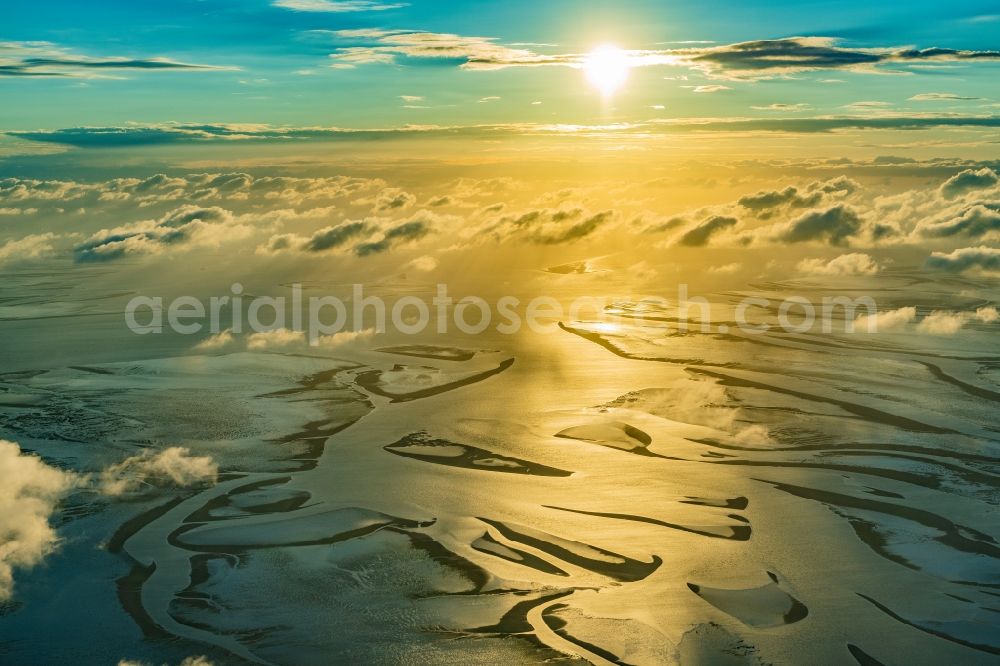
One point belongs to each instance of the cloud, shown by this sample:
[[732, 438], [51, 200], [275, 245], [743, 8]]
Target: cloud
[[710, 88], [868, 106], [701, 233], [284, 338], [969, 180], [966, 259], [188, 661], [779, 106], [384, 46], [652, 223], [743, 60], [29, 247], [343, 338], [86, 137], [412, 230], [776, 57], [547, 226], [940, 97], [333, 237], [30, 490], [889, 320], [393, 199], [987, 314], [184, 227], [762, 201], [553, 234], [943, 323], [174, 466], [838, 185], [45, 59], [834, 225], [411, 98], [975, 222], [336, 6], [949, 323], [276, 339], [201, 187], [220, 340], [855, 263], [424, 264], [361, 237], [766, 203], [726, 269]]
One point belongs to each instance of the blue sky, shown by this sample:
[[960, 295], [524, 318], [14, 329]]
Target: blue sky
[[261, 63]]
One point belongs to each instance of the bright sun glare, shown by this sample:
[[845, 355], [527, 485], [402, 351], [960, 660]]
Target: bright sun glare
[[607, 68]]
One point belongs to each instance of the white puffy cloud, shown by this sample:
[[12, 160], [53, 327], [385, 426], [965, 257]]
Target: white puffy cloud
[[182, 228], [363, 238], [543, 226], [393, 198], [173, 466], [384, 46], [889, 320], [200, 187], [220, 340], [188, 661], [969, 180], [701, 233], [980, 258], [424, 264], [987, 314], [343, 338], [766, 201], [30, 490], [29, 247], [979, 221], [855, 263], [943, 323], [836, 226], [276, 339]]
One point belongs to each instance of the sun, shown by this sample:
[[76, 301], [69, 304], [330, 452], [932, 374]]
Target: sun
[[607, 68]]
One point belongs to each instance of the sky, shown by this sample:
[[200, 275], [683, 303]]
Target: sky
[[388, 64], [369, 136]]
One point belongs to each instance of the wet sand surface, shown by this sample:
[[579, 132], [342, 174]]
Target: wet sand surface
[[613, 492]]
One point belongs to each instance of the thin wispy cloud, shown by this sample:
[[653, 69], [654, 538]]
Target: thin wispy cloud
[[45, 59], [713, 88], [336, 6], [941, 97], [779, 106]]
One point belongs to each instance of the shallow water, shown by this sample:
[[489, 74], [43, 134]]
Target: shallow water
[[610, 492]]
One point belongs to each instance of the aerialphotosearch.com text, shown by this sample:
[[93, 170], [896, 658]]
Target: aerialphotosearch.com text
[[320, 316]]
